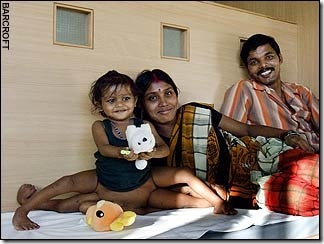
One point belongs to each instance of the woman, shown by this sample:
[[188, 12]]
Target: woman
[[197, 137]]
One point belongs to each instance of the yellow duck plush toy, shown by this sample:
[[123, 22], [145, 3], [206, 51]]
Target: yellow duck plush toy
[[106, 216]]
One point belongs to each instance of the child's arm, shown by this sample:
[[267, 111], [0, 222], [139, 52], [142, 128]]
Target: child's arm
[[102, 143], [161, 149]]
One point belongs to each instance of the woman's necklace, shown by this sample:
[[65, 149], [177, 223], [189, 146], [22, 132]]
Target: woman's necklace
[[118, 132]]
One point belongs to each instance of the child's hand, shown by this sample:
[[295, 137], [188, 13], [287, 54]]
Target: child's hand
[[128, 154], [146, 155]]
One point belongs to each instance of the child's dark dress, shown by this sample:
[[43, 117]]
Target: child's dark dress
[[118, 174]]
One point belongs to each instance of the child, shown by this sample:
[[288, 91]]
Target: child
[[116, 178]]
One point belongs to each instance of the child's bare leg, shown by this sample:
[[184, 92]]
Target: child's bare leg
[[68, 205], [168, 199], [83, 182], [86, 203], [143, 211], [166, 176], [25, 192], [219, 190], [73, 204], [185, 189]]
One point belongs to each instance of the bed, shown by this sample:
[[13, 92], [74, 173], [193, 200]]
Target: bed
[[188, 223]]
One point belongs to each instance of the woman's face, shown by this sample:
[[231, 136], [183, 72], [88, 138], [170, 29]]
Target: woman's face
[[161, 102]]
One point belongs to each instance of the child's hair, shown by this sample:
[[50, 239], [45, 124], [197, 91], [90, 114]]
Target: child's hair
[[111, 78]]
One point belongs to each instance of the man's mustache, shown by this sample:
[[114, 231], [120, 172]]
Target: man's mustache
[[264, 70]]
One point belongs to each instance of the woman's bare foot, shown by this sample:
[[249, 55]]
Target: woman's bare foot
[[21, 222], [25, 192], [225, 208]]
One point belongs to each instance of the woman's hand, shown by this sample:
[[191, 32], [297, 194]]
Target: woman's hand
[[298, 140]]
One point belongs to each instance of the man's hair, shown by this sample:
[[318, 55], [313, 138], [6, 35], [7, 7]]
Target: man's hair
[[254, 42]]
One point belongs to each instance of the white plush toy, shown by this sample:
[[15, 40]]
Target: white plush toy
[[140, 139]]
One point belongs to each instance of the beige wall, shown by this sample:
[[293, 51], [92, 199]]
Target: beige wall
[[306, 15], [44, 90]]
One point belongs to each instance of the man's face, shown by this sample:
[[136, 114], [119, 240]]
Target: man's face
[[263, 65]]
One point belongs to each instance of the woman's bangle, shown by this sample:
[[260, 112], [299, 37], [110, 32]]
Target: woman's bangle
[[288, 133]]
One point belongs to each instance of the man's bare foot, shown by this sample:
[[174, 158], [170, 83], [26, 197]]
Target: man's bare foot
[[21, 222], [25, 192], [225, 208]]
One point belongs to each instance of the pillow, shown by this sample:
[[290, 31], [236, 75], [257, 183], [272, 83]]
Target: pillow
[[294, 189]]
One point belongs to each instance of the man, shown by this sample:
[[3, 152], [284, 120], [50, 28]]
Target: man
[[265, 99]]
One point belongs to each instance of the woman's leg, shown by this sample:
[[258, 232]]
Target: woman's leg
[[166, 176], [83, 182]]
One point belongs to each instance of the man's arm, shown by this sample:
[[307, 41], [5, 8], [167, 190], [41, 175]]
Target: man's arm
[[313, 104], [235, 102]]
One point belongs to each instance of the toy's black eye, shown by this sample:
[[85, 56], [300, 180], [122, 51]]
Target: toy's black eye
[[139, 143], [144, 139], [100, 214]]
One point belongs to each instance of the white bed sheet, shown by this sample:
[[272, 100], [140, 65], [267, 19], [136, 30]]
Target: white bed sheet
[[189, 223]]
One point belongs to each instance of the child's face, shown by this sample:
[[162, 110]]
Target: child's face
[[118, 102]]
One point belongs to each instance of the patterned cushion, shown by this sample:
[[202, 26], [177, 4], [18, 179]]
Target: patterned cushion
[[295, 188]]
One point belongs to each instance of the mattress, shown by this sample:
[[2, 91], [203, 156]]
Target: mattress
[[188, 223]]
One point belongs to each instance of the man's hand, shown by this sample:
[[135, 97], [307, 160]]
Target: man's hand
[[300, 141]]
